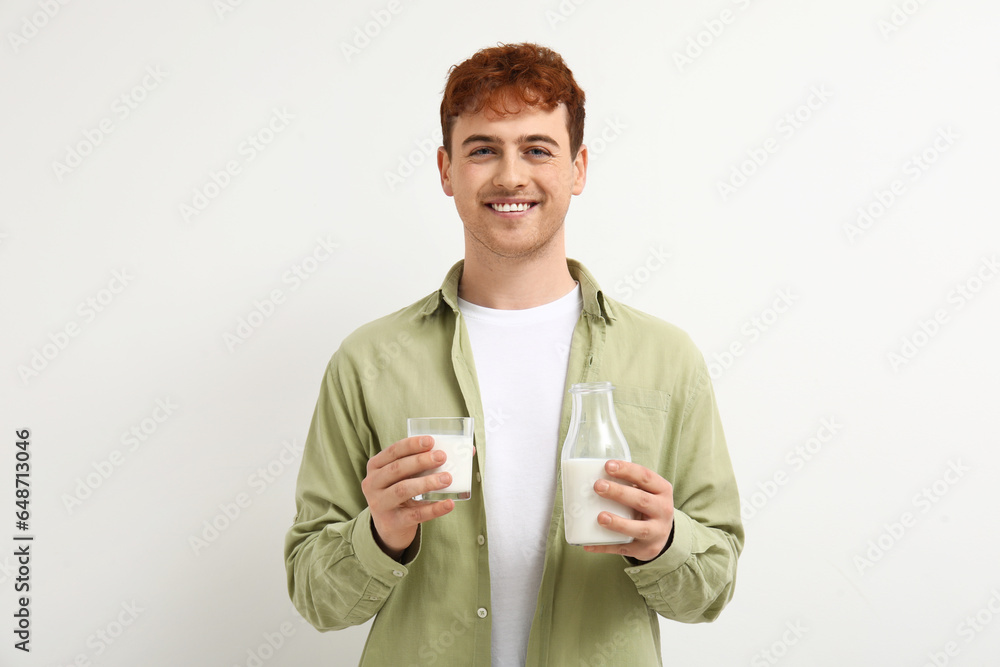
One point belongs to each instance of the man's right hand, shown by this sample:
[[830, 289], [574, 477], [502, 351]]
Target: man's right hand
[[392, 482]]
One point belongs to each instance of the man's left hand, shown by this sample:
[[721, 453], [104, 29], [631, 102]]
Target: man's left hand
[[652, 498]]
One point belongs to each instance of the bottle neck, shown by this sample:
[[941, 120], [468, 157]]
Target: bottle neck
[[594, 410], [594, 431]]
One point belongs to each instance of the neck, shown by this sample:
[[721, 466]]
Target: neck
[[504, 283]]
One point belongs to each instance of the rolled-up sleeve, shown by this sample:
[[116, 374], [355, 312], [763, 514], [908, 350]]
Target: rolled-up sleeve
[[337, 574], [693, 580]]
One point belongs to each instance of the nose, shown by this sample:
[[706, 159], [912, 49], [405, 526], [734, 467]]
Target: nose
[[511, 173]]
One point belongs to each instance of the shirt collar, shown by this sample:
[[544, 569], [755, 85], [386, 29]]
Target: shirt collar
[[594, 302]]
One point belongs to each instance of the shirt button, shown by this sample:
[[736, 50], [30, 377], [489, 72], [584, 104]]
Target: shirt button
[[481, 612], [481, 540], [633, 570], [397, 573]]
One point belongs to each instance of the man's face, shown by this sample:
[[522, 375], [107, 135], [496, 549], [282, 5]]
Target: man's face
[[520, 161]]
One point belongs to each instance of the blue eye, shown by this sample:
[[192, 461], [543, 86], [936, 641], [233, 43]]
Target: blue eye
[[539, 152], [479, 151]]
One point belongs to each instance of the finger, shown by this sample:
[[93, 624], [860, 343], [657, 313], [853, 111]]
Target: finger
[[410, 466], [404, 490], [639, 475], [624, 526], [407, 516], [643, 502], [643, 548], [400, 449], [639, 529], [421, 512]]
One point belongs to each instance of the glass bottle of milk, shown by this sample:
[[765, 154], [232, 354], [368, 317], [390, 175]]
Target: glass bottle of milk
[[594, 437]]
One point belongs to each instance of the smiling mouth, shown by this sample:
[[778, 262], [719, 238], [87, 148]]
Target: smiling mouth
[[516, 207]]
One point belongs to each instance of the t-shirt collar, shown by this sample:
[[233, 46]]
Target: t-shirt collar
[[594, 302]]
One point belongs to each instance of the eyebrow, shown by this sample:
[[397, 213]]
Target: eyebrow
[[523, 139]]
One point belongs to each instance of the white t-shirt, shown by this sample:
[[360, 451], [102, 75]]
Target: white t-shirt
[[521, 358]]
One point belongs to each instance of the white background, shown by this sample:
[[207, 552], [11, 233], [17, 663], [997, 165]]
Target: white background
[[830, 548]]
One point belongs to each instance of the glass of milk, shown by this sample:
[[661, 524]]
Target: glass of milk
[[453, 436], [593, 439]]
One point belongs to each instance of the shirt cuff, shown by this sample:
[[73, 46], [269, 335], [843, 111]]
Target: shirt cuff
[[376, 562], [646, 576]]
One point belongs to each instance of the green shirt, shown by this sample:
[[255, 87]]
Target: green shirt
[[433, 607]]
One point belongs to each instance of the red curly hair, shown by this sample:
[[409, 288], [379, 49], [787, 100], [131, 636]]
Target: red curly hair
[[522, 74]]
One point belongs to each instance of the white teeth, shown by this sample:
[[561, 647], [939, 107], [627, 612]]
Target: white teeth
[[506, 208]]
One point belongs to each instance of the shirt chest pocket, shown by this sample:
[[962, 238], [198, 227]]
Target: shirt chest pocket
[[644, 417]]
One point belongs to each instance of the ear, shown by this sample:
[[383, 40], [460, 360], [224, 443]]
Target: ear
[[580, 170], [444, 168]]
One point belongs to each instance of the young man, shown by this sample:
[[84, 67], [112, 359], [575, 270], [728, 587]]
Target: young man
[[492, 580]]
